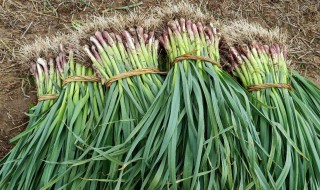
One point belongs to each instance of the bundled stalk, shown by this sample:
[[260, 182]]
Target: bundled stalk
[[48, 81], [48, 78], [196, 133], [128, 66], [288, 126], [52, 138]]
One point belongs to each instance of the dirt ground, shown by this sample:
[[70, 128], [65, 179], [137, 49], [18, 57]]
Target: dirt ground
[[21, 21]]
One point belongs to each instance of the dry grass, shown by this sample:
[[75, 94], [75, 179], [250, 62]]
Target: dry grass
[[21, 22], [242, 32]]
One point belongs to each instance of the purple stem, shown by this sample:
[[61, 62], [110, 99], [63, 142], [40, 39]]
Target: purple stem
[[189, 30], [100, 38], [107, 36], [195, 29], [96, 54], [129, 40], [173, 27], [245, 49], [44, 65], [232, 60], [162, 41], [96, 42], [209, 33], [200, 27], [140, 34], [236, 54], [146, 38], [183, 24], [133, 34], [58, 64]]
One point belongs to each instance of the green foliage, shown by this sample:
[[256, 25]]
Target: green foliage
[[289, 127]]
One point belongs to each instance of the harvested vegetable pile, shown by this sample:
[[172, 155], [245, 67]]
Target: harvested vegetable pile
[[130, 102], [129, 67], [289, 127], [54, 124], [177, 140]]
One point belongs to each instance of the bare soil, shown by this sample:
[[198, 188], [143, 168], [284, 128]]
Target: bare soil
[[22, 21]]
